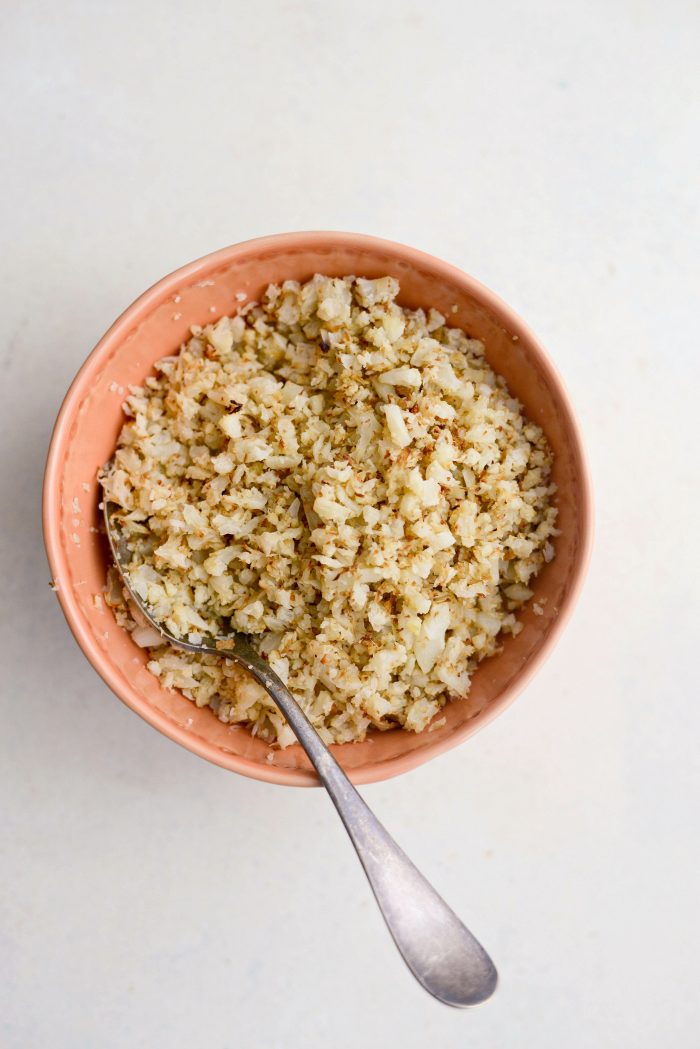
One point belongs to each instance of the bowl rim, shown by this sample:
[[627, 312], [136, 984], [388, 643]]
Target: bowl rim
[[57, 555]]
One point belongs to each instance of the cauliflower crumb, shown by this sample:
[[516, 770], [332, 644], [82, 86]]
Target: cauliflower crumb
[[344, 480], [397, 425]]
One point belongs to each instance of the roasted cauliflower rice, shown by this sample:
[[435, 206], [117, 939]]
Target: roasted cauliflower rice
[[349, 482]]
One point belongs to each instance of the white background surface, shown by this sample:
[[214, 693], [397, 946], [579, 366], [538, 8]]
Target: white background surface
[[150, 899]]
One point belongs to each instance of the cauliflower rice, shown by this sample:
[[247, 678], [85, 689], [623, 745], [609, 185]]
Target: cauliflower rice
[[345, 480]]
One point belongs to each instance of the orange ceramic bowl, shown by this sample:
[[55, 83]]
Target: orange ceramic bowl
[[155, 325]]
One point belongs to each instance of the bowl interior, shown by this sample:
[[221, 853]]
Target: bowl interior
[[156, 325]]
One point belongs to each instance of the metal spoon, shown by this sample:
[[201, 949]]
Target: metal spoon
[[439, 950]]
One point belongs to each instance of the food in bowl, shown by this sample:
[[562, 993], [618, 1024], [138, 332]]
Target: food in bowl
[[349, 483]]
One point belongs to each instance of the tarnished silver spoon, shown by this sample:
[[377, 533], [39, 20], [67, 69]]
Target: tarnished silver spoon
[[439, 950]]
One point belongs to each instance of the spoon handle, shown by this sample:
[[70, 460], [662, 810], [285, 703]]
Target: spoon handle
[[439, 950]]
